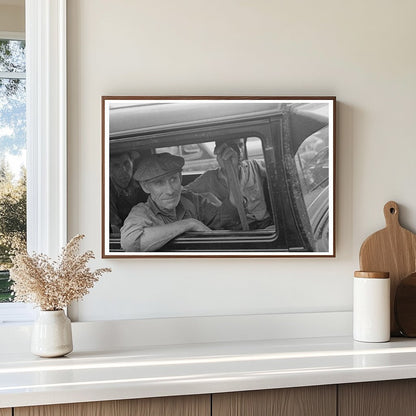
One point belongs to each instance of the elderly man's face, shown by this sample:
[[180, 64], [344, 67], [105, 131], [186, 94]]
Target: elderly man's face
[[121, 170], [165, 191]]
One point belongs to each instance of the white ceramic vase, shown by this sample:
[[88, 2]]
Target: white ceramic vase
[[52, 334]]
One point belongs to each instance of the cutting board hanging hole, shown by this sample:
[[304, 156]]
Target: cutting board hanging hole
[[391, 213]]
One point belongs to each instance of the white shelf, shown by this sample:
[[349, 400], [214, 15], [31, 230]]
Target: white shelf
[[150, 371]]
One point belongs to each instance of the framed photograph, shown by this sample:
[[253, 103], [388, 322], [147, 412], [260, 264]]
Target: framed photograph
[[218, 176]]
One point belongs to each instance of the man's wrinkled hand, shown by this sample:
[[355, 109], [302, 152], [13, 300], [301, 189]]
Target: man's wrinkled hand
[[195, 225]]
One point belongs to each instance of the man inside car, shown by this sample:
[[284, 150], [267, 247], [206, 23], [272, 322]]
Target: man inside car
[[250, 181], [169, 211], [125, 192]]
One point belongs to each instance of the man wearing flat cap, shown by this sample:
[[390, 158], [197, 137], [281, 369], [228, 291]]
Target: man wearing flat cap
[[169, 211]]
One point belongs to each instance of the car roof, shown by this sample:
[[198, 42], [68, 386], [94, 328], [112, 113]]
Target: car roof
[[141, 117]]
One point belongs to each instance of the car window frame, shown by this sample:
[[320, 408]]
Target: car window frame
[[267, 129]]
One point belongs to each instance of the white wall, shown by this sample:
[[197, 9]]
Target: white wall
[[12, 16], [360, 51]]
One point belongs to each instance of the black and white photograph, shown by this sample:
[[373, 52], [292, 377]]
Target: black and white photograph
[[218, 176]]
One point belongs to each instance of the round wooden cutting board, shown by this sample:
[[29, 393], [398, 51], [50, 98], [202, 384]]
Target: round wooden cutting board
[[392, 250]]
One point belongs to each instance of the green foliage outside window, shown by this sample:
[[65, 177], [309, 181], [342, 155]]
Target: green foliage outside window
[[12, 147], [12, 224]]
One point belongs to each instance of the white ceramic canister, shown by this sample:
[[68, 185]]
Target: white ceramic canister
[[371, 308]]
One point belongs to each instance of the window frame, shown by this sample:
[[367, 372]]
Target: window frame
[[46, 125], [224, 242], [46, 135]]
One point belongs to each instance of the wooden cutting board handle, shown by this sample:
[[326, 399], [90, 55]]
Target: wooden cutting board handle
[[391, 214], [393, 250]]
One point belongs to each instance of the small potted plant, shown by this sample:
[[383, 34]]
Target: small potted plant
[[51, 286]]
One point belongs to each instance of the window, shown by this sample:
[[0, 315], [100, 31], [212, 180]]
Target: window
[[46, 136], [12, 156], [203, 175], [260, 228], [254, 148]]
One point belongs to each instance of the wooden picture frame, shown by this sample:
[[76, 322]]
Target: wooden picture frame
[[269, 190]]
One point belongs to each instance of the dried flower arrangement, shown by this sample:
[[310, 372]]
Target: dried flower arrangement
[[52, 285]]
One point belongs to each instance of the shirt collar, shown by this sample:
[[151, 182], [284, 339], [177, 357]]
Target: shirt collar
[[179, 212]]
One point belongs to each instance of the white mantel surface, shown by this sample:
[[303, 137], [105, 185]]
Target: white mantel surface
[[150, 371]]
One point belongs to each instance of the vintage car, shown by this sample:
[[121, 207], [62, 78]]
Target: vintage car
[[292, 139]]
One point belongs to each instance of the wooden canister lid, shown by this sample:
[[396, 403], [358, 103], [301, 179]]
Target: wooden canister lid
[[372, 275]]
